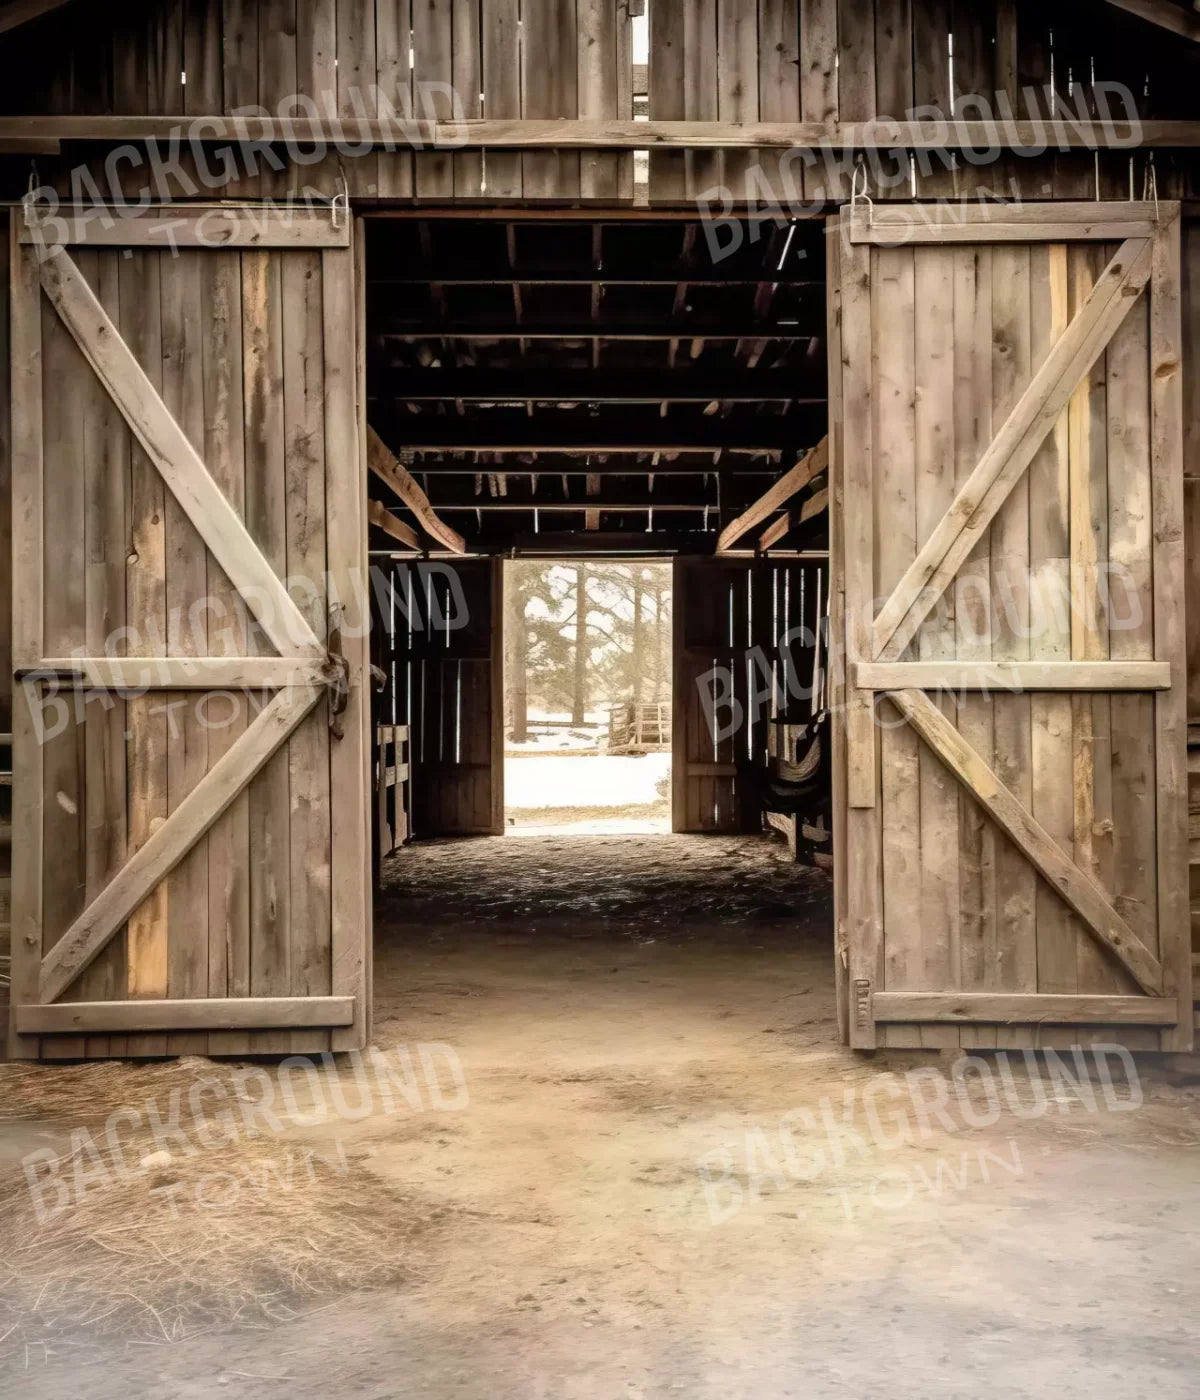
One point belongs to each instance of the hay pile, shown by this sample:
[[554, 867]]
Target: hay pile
[[247, 1235]]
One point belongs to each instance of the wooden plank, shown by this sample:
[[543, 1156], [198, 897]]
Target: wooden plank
[[345, 499], [1170, 642], [27, 911], [184, 1014], [856, 61], [25, 343], [1017, 677], [146, 609], [224, 454], [177, 460], [266, 446], [1011, 450], [388, 468], [1051, 727], [818, 61], [667, 80], [887, 224], [1038, 847], [501, 38], [737, 81], [309, 836], [599, 88], [550, 88], [393, 66], [658, 135], [1017, 1009], [893, 58], [466, 76], [187, 635], [384, 520], [433, 63], [172, 227], [356, 85], [184, 672], [1164, 14], [810, 466], [972, 426], [163, 850], [937, 929]]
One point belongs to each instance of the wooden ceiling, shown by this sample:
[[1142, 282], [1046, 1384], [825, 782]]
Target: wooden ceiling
[[597, 381]]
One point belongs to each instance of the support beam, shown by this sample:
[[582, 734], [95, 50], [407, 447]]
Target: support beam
[[1060, 132], [388, 468], [811, 465], [443, 433], [384, 520], [19, 12], [603, 386], [1164, 14]]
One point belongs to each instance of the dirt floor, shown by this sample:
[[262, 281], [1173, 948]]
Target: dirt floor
[[648, 1170]]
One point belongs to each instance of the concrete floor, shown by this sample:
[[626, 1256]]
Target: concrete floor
[[670, 1180]]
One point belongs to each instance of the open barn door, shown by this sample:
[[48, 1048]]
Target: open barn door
[[451, 631], [190, 854], [1013, 868]]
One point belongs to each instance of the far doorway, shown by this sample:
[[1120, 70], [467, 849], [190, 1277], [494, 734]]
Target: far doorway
[[587, 697]]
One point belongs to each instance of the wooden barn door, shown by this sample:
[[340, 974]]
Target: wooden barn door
[[455, 698], [192, 872], [1013, 808]]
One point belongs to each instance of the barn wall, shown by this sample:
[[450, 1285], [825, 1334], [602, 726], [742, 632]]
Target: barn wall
[[729, 60], [5, 496]]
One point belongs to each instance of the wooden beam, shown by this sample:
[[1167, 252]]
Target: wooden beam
[[570, 134], [606, 386], [811, 465], [388, 468], [167, 445], [445, 433], [390, 524], [188, 226], [1164, 14], [1017, 677], [889, 225], [19, 12], [1010, 1008], [188, 1013], [1011, 450], [1079, 890], [776, 530], [167, 846], [143, 673]]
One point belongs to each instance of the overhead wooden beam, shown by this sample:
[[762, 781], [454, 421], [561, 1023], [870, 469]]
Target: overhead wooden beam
[[1163, 14], [400, 329], [388, 468], [390, 524], [811, 465], [566, 133], [445, 433], [19, 12], [605, 386]]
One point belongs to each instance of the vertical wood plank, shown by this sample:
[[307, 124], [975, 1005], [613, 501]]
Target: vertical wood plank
[[467, 76], [187, 635], [892, 372], [549, 88], [598, 25], [667, 100], [266, 518], [224, 455], [893, 58], [973, 425], [856, 61], [433, 63], [1170, 715], [146, 609], [203, 58], [818, 60], [502, 89], [393, 64], [1054, 768], [346, 533], [701, 97], [316, 77], [1016, 881], [737, 84], [863, 900], [934, 361], [26, 465], [308, 749]]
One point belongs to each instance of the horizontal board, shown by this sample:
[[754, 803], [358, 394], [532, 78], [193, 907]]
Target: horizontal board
[[182, 672], [569, 133], [201, 1013], [1003, 1007], [1018, 676], [223, 226], [998, 223]]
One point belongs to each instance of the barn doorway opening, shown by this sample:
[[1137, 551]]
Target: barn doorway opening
[[587, 697], [622, 401]]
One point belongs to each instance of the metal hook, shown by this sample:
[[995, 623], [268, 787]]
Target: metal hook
[[341, 200]]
